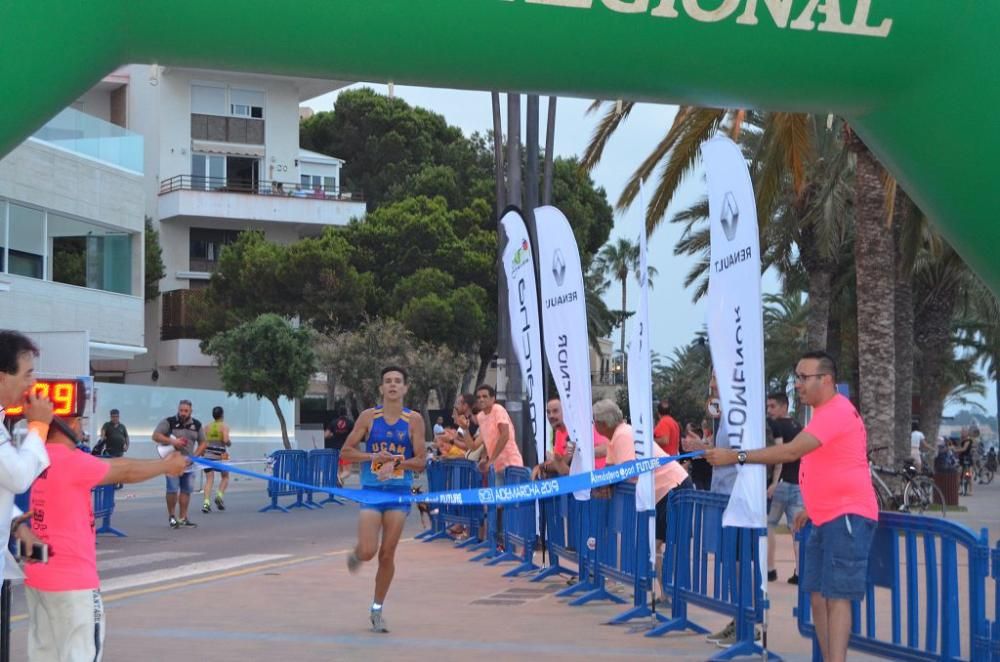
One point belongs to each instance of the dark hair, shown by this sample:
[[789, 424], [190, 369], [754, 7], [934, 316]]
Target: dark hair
[[779, 396], [489, 389], [826, 363], [553, 398], [394, 368], [185, 402], [217, 413], [14, 345], [663, 407], [469, 399], [115, 412]]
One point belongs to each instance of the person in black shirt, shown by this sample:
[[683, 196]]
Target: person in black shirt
[[334, 436], [784, 493], [114, 437]]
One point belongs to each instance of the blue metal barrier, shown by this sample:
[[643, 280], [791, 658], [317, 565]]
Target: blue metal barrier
[[322, 467], [714, 567], [917, 559], [623, 551], [459, 475], [104, 508], [520, 529], [288, 465], [435, 483], [995, 568], [562, 536], [487, 547]]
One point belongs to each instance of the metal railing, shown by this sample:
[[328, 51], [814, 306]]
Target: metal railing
[[249, 187]]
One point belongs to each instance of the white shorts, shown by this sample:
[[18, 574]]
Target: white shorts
[[65, 626]]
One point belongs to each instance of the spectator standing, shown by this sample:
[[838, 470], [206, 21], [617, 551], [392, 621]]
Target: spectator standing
[[185, 434]]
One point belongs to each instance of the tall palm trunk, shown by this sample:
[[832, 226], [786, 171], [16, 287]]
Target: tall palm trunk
[[874, 260], [550, 148], [500, 190], [624, 280], [903, 310], [932, 333]]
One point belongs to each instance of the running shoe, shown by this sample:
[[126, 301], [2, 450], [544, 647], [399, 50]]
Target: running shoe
[[794, 579], [724, 633], [206, 508], [174, 524], [731, 639], [187, 523], [218, 502], [378, 623]]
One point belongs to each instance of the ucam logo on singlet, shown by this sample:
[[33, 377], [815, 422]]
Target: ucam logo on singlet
[[818, 15]]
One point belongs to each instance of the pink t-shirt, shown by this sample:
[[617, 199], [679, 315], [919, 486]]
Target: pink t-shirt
[[622, 450], [562, 438], [489, 428], [64, 519], [834, 478]]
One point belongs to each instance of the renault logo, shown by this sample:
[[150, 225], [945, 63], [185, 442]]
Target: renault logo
[[559, 267], [730, 215]]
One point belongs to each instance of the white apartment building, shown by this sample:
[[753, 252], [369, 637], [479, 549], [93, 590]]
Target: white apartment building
[[222, 156], [71, 242]]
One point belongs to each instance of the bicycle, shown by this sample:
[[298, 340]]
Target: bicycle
[[917, 494]]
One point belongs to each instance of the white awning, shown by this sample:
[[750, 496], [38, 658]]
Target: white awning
[[111, 351], [229, 149]]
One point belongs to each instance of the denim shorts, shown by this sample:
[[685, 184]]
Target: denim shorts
[[836, 563], [787, 501], [183, 483], [386, 507]]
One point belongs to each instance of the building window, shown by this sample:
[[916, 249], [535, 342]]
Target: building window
[[319, 182], [208, 99], [88, 255], [26, 237], [208, 171], [206, 246], [246, 103], [51, 246]]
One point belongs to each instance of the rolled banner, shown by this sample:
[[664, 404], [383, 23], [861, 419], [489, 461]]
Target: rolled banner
[[567, 347], [525, 327]]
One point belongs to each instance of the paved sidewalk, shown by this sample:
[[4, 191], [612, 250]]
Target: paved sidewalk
[[441, 607]]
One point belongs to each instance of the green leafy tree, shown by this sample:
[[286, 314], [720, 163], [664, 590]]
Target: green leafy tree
[[312, 279], [266, 357], [153, 260]]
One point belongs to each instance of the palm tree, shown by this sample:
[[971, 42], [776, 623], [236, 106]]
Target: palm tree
[[616, 261], [785, 330]]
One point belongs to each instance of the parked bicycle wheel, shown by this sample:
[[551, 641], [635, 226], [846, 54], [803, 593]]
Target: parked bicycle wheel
[[921, 494]]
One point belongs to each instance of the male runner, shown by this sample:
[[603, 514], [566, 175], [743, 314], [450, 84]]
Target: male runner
[[393, 449]]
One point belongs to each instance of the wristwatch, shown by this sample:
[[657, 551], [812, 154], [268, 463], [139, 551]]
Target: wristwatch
[[741, 457]]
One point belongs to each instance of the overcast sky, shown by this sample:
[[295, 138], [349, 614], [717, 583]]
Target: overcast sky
[[674, 319]]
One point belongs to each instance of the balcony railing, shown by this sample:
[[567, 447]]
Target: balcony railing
[[178, 316], [90, 136], [273, 189]]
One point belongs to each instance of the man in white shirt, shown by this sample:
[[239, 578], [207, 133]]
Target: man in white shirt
[[917, 445], [20, 465]]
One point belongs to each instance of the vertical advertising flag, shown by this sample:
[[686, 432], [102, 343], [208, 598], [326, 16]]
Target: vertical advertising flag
[[640, 386], [567, 347], [525, 328], [735, 323]]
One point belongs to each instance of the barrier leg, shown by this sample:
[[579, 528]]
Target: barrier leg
[[273, 506], [299, 503], [107, 528], [552, 570]]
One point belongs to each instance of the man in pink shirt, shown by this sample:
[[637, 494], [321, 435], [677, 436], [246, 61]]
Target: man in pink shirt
[[557, 462], [66, 614], [496, 431], [838, 495]]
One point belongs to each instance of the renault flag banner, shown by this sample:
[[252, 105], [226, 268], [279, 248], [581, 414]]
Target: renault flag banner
[[567, 348], [640, 387], [522, 301], [735, 323]]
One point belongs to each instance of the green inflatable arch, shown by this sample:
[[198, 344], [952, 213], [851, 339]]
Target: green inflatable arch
[[915, 77]]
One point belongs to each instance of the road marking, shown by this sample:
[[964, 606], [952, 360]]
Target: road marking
[[143, 559], [182, 571]]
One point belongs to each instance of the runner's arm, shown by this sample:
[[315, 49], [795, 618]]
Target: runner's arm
[[225, 435], [350, 452], [124, 470], [417, 432]]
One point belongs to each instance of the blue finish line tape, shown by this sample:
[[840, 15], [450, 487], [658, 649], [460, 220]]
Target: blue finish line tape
[[533, 491]]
